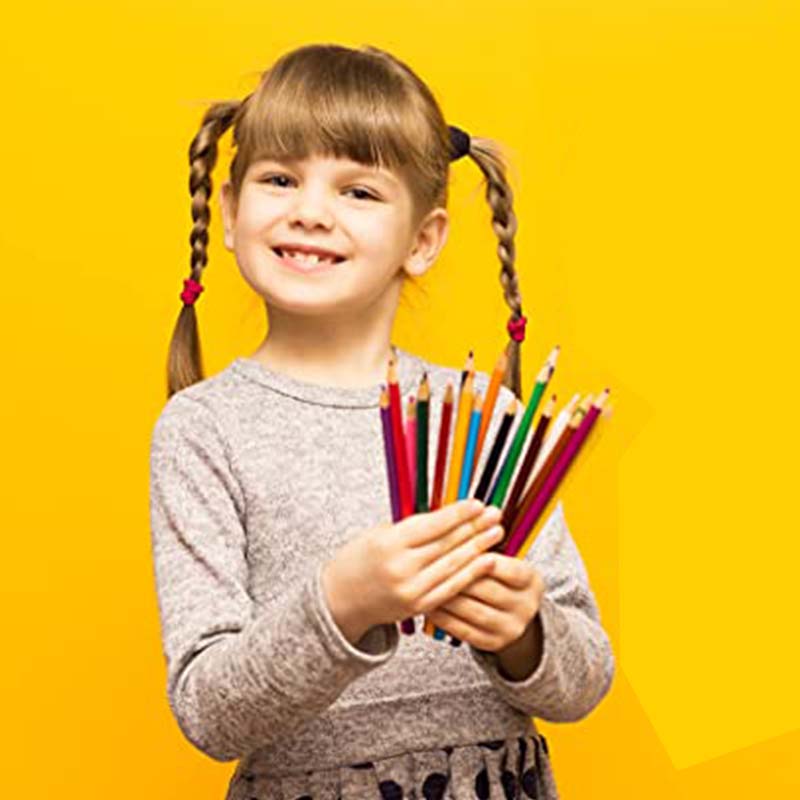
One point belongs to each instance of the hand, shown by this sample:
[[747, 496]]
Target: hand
[[496, 610], [397, 570]]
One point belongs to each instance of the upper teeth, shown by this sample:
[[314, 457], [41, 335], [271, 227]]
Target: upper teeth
[[311, 258]]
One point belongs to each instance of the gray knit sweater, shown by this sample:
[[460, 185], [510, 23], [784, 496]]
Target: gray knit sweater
[[256, 479]]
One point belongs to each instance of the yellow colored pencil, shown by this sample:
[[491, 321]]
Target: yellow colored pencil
[[460, 438]]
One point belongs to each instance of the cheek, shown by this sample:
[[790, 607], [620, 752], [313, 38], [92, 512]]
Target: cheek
[[255, 222]]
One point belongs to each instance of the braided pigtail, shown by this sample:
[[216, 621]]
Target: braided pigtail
[[486, 154], [184, 363]]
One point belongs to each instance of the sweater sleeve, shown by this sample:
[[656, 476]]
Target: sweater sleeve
[[577, 663], [237, 677]]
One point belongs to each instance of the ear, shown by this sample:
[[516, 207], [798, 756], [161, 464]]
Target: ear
[[228, 212], [428, 242]]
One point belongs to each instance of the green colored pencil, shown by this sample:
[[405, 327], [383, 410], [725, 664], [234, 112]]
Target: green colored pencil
[[423, 404], [503, 481]]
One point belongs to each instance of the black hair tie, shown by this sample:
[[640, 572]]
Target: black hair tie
[[460, 143]]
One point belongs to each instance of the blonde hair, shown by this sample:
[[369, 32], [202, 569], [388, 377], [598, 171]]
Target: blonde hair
[[365, 105]]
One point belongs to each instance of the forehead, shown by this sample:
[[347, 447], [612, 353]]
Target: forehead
[[333, 167]]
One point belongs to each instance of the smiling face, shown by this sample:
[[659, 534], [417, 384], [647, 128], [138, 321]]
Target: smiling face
[[361, 212]]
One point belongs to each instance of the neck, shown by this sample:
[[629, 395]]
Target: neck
[[350, 352]]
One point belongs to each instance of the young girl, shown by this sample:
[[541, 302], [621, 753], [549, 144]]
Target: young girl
[[281, 580]]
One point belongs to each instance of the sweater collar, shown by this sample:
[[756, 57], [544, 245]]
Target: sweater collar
[[409, 373]]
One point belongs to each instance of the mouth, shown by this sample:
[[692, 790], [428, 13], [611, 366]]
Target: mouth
[[307, 262]]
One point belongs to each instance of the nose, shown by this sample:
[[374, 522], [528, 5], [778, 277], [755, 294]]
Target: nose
[[310, 208]]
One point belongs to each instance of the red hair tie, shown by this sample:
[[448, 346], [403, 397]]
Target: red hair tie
[[516, 328], [191, 291]]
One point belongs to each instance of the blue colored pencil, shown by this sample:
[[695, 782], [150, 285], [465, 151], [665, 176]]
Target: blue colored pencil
[[469, 452]]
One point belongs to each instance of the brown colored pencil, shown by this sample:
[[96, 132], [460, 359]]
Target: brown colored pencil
[[441, 452], [534, 447]]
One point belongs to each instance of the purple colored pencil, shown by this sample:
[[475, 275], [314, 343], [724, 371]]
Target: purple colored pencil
[[391, 464]]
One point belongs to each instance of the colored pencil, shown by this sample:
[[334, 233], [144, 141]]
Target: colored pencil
[[396, 410], [531, 454], [469, 451], [411, 447], [423, 410], [556, 429], [498, 373], [507, 471], [445, 425], [520, 534], [459, 439], [468, 465], [533, 490], [391, 466], [457, 456], [497, 448], [401, 459], [469, 366]]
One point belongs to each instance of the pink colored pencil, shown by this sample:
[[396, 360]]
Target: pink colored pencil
[[396, 409], [411, 446]]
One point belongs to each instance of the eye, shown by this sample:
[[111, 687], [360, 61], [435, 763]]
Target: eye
[[369, 195], [267, 179]]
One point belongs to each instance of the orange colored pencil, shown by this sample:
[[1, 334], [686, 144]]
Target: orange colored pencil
[[491, 397]]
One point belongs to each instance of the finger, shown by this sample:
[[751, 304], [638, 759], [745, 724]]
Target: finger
[[484, 616], [424, 527], [445, 578], [460, 629], [512, 571], [488, 591], [466, 531]]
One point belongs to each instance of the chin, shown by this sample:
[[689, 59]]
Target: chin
[[305, 300]]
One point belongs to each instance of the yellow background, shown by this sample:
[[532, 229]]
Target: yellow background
[[655, 177]]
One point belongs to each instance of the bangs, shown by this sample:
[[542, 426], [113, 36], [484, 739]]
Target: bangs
[[343, 109]]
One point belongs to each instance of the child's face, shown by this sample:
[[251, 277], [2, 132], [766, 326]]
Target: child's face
[[359, 212]]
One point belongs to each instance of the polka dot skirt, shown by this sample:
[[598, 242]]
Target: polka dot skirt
[[516, 768]]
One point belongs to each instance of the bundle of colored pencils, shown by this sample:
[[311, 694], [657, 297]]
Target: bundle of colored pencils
[[531, 466]]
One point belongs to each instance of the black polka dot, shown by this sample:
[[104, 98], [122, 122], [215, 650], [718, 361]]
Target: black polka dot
[[482, 785], [363, 765], [448, 749], [391, 790], [529, 783], [494, 744], [304, 797], [509, 781], [434, 786]]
